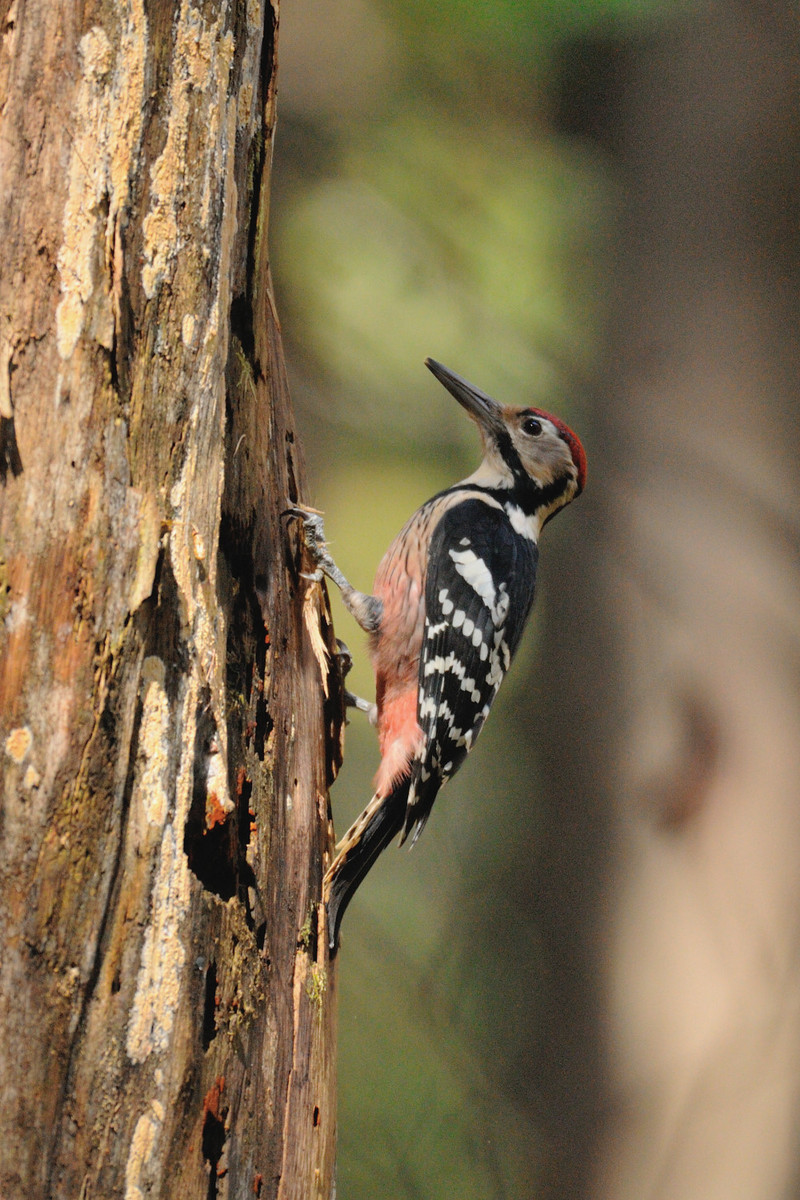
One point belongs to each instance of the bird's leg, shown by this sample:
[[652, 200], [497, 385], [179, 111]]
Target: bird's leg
[[350, 699], [367, 610], [365, 706]]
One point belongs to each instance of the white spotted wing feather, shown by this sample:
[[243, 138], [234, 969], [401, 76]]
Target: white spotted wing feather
[[478, 593]]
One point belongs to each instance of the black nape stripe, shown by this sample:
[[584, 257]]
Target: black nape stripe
[[531, 496], [525, 493]]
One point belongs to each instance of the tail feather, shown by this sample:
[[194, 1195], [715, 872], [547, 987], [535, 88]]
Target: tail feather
[[380, 821]]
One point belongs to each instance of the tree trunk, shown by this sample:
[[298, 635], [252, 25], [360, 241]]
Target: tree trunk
[[680, 986], [169, 723], [704, 987]]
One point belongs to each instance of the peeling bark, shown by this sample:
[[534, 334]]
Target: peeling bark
[[167, 732]]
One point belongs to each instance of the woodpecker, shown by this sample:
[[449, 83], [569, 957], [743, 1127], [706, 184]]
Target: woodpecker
[[450, 600]]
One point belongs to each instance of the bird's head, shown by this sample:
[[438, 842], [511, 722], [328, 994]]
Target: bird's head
[[524, 448]]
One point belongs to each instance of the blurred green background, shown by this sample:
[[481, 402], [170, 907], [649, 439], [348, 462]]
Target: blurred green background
[[588, 206], [428, 200]]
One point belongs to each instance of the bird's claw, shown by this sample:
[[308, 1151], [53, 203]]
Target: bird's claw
[[345, 658], [313, 533], [367, 707]]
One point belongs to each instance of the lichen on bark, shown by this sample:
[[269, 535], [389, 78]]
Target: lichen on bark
[[159, 691]]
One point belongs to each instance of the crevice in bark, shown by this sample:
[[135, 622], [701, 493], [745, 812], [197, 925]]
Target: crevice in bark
[[208, 840], [156, 626], [264, 725], [213, 1140], [110, 720], [268, 48], [210, 1006], [118, 956], [123, 351], [260, 149], [246, 820], [291, 477], [248, 642], [5, 589], [164, 637], [242, 327], [9, 450]]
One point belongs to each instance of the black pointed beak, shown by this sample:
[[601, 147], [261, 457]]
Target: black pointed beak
[[482, 408]]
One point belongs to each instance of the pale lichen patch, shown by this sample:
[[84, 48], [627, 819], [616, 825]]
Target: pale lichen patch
[[202, 60], [198, 544], [245, 106], [76, 258], [149, 530], [18, 743], [154, 744], [6, 355], [316, 986], [163, 955], [155, 1003], [105, 133], [17, 615], [246, 114], [187, 329], [32, 778], [142, 1147]]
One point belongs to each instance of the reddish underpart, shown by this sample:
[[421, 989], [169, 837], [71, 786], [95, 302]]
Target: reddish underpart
[[400, 738]]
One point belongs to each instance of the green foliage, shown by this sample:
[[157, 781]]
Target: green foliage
[[430, 1120], [425, 246], [510, 30]]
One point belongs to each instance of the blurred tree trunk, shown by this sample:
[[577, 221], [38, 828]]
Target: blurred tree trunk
[[690, 961], [166, 1006]]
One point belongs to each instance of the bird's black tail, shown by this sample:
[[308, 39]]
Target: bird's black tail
[[380, 821]]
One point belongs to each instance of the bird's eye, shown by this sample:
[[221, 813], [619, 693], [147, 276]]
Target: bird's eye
[[531, 426]]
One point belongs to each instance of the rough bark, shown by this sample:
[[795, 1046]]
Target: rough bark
[[169, 723]]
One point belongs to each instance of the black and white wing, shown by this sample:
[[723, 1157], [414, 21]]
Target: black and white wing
[[479, 590]]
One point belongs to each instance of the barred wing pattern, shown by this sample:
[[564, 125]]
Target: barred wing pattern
[[478, 593]]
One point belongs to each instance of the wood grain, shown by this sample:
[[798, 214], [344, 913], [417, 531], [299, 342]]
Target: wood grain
[[167, 1011]]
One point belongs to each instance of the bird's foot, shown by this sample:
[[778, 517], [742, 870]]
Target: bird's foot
[[365, 706], [367, 610], [351, 700], [345, 658], [314, 537]]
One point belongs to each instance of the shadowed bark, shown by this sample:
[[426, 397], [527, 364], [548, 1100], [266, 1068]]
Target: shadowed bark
[[169, 722]]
